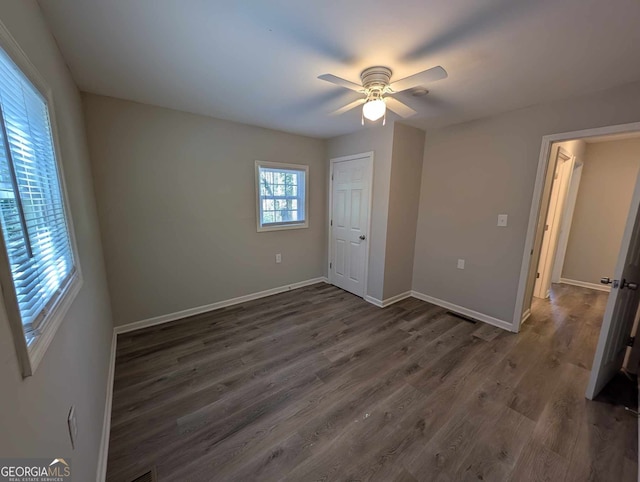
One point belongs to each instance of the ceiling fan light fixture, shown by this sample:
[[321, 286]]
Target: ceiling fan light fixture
[[374, 109]]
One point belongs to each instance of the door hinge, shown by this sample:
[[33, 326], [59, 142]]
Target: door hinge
[[631, 340], [532, 252], [332, 222], [537, 275], [330, 265], [332, 177], [546, 227]]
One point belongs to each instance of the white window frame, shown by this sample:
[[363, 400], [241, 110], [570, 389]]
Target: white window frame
[[32, 354], [292, 224]]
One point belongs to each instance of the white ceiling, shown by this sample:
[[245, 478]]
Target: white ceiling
[[256, 61]]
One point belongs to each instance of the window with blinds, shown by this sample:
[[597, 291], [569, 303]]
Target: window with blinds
[[32, 211], [281, 195]]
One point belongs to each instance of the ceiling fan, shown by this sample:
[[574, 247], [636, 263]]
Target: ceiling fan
[[378, 90]]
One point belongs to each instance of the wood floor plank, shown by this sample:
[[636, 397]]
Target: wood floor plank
[[537, 463], [559, 425], [532, 393], [316, 384], [497, 448], [599, 452]]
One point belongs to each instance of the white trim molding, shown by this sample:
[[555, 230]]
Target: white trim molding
[[178, 315], [526, 315], [388, 301], [30, 355], [543, 160], [505, 325], [585, 284], [285, 225], [101, 474], [138, 325]]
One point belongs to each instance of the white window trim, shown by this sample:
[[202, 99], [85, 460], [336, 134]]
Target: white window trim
[[282, 165], [31, 356]]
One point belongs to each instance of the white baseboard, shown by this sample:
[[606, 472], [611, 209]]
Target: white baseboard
[[106, 423], [584, 284], [158, 320], [396, 298], [388, 301], [525, 316], [373, 301], [104, 445], [464, 311]]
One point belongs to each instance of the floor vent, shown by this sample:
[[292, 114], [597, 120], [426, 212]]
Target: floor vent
[[462, 317], [149, 476]]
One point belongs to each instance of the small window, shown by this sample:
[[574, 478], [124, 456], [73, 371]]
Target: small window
[[281, 195], [37, 263]]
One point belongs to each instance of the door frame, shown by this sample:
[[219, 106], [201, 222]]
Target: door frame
[[332, 163], [519, 314], [567, 221], [554, 226]]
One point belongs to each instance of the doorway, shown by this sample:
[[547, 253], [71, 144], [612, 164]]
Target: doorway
[[349, 223], [576, 229]]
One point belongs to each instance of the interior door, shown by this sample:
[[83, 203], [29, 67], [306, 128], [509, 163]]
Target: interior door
[[559, 190], [351, 189], [622, 305], [567, 218]]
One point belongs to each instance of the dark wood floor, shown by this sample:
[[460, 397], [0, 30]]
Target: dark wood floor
[[316, 384]]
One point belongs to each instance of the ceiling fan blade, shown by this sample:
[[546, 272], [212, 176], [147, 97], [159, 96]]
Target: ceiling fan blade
[[399, 108], [421, 78], [348, 107], [341, 82]]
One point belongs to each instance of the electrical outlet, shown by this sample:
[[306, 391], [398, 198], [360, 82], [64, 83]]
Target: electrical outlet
[[278, 258], [461, 264], [502, 220], [72, 422]]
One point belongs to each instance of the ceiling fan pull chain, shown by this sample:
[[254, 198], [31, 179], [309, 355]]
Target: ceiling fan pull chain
[[384, 119], [362, 114]]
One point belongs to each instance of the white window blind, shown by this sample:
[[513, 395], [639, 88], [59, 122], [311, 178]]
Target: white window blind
[[32, 213], [281, 195]]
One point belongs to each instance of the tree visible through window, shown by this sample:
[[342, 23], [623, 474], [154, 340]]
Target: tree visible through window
[[281, 195]]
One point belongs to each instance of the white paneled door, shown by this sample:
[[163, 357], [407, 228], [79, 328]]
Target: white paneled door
[[349, 226], [622, 304]]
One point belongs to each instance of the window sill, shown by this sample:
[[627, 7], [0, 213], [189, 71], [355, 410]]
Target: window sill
[[38, 347], [282, 227]]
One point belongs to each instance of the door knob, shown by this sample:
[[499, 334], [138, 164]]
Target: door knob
[[363, 237], [606, 281], [626, 284]]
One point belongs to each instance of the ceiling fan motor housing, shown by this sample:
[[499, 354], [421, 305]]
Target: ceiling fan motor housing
[[375, 80]]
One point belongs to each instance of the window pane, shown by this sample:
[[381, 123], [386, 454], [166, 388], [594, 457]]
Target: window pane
[[31, 204], [282, 195]]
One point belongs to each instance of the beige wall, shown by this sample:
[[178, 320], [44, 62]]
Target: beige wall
[[404, 196], [474, 171], [608, 179], [33, 411], [176, 200], [380, 141]]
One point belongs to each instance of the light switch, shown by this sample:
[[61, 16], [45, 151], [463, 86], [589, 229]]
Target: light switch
[[278, 258], [502, 220], [461, 264]]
